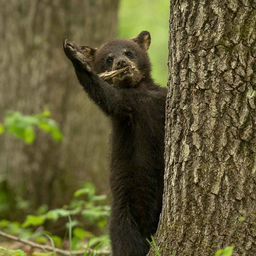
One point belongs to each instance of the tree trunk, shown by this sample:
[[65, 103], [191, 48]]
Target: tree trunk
[[210, 178], [36, 75]]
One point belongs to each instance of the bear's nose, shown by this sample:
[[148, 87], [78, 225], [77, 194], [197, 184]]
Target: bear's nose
[[121, 64]]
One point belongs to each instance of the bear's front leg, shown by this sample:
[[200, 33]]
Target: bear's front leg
[[75, 54], [102, 93]]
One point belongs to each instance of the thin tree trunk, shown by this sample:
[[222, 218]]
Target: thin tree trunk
[[36, 75], [210, 178]]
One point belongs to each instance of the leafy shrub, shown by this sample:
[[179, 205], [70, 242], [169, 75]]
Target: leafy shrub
[[86, 209], [24, 126]]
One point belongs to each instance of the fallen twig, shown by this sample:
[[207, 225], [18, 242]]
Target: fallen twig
[[53, 249]]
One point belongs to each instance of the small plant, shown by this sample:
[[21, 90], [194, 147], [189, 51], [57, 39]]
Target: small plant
[[154, 247], [24, 126], [228, 251], [85, 216], [86, 211], [6, 252]]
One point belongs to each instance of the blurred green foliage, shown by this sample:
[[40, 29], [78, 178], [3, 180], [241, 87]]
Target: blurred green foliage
[[85, 203], [24, 126], [6, 252], [86, 209], [153, 16]]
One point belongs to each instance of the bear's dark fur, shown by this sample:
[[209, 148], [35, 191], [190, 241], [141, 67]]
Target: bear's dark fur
[[136, 106]]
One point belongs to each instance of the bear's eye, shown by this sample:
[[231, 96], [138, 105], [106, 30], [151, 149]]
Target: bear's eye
[[109, 60], [129, 54]]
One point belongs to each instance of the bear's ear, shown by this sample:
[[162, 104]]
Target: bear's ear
[[89, 53], [143, 39]]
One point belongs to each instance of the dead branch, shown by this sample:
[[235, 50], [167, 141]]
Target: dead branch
[[52, 249]]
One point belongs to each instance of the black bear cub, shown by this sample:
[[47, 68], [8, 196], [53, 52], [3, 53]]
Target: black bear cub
[[136, 107]]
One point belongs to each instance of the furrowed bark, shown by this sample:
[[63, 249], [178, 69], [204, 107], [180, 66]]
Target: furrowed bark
[[210, 177]]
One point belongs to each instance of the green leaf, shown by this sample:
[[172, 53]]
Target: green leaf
[[46, 114], [228, 251], [41, 240], [14, 228], [99, 198], [57, 241], [88, 190], [102, 224], [57, 213], [71, 224], [82, 234], [95, 213], [19, 253], [7, 252], [50, 126], [44, 126], [23, 126], [44, 254], [34, 221], [100, 241], [52, 215], [29, 135], [56, 134], [4, 223]]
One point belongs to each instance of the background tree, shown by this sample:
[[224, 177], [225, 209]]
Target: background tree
[[210, 179], [35, 75]]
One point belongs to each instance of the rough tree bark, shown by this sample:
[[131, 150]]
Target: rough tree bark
[[210, 178], [36, 75]]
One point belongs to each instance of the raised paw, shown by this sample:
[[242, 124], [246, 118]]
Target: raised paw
[[75, 54], [70, 49]]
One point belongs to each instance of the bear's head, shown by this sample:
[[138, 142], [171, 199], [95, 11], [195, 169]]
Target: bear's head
[[117, 54]]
